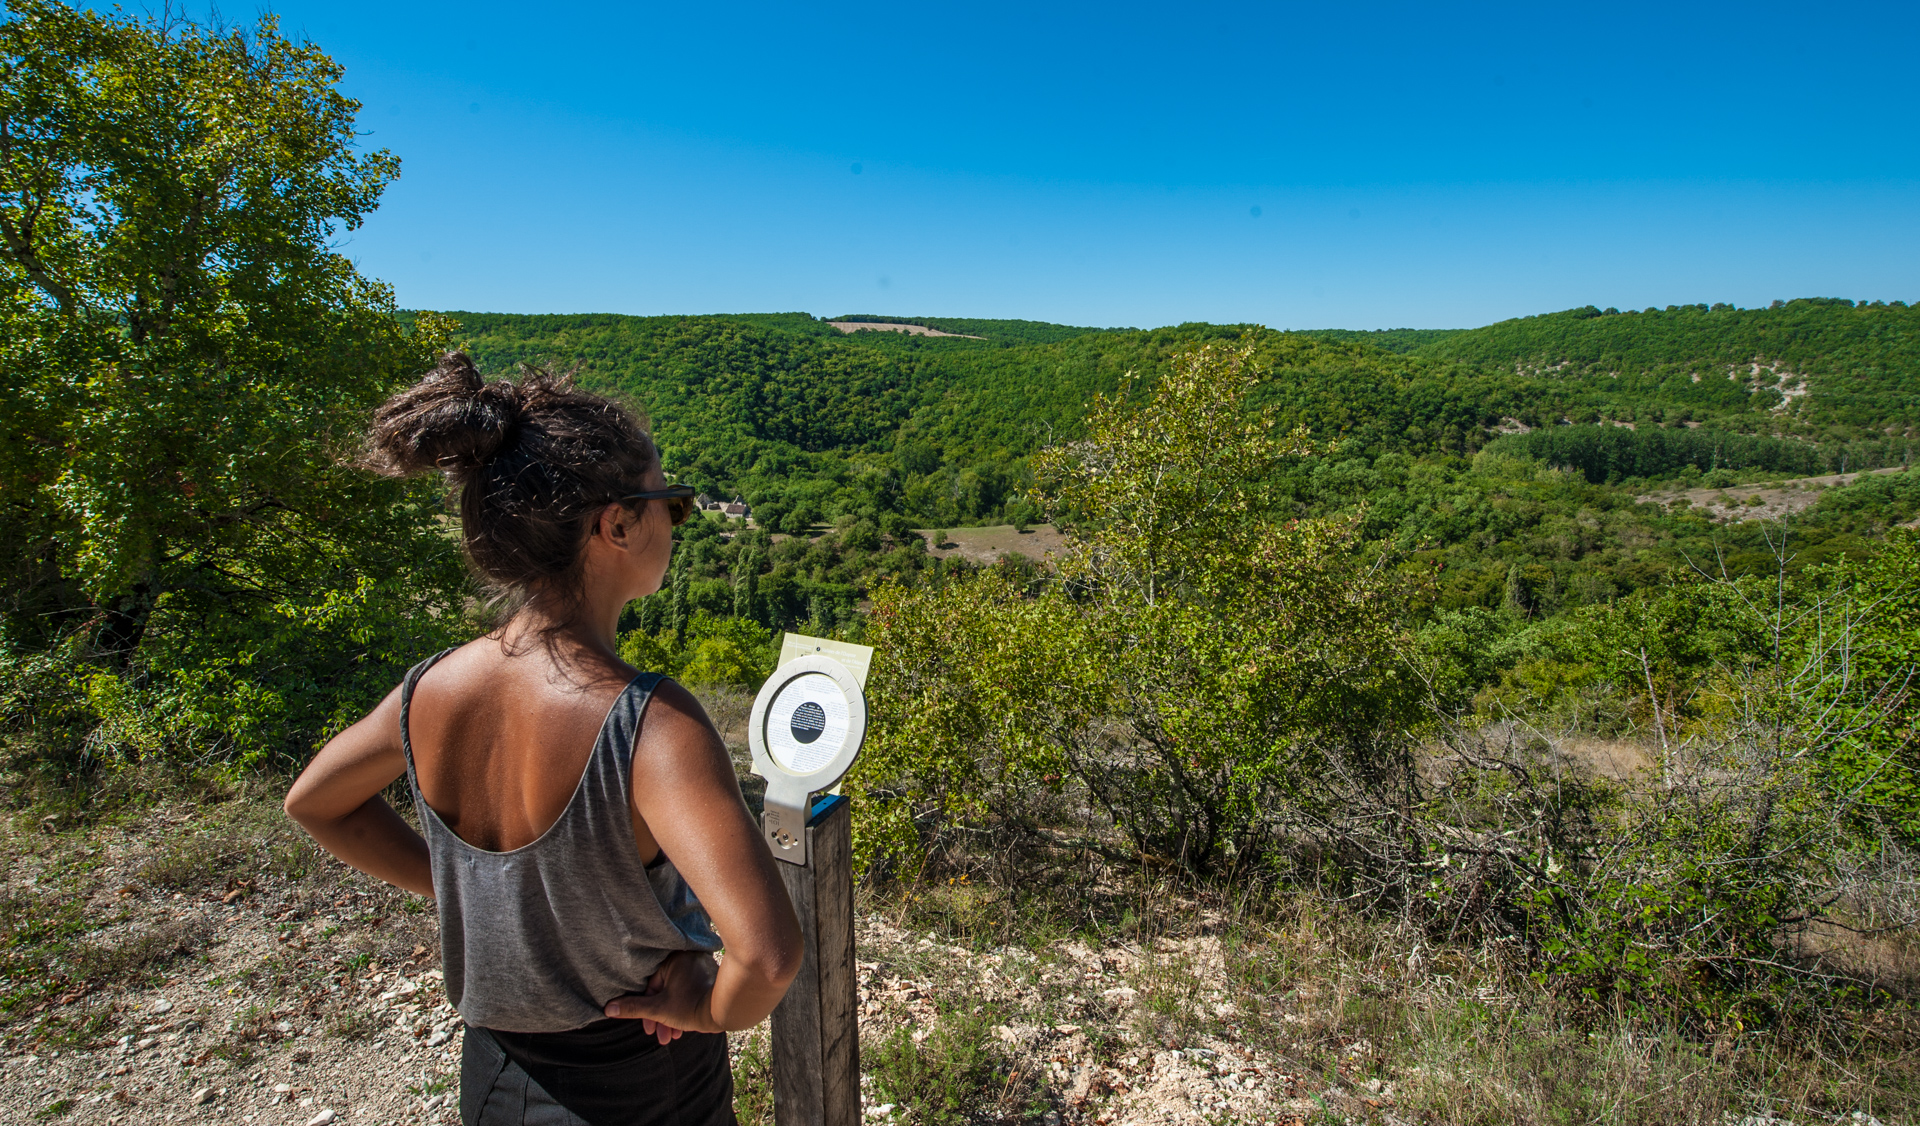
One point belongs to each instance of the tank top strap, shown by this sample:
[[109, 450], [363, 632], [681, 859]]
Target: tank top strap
[[614, 751], [406, 701], [599, 819]]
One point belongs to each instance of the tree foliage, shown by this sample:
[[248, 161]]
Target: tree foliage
[[1609, 453], [1856, 359], [1201, 663], [195, 363], [1215, 683]]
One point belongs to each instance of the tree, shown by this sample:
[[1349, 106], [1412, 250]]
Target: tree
[[195, 360], [746, 586], [679, 611], [1206, 669]]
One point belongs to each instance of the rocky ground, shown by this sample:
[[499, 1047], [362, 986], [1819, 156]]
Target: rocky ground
[[189, 965], [1076, 1024], [201, 961]]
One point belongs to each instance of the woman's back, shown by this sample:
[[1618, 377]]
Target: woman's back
[[537, 936], [500, 738]]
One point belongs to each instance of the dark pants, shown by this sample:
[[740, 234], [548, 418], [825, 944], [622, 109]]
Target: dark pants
[[685, 1083]]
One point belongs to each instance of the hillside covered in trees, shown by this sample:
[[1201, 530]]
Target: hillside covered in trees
[[1436, 436], [937, 428], [1340, 627]]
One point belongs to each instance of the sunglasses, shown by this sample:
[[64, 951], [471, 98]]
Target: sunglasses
[[679, 500]]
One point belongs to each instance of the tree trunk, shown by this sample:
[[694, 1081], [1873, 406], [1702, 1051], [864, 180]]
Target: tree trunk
[[123, 624]]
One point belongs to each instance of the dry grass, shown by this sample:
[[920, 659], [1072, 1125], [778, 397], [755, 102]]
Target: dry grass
[[1093, 996], [1767, 501], [987, 544], [1338, 1018]]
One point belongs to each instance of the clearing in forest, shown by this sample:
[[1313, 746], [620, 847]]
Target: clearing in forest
[[888, 326]]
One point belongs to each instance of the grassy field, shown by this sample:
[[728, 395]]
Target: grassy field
[[986, 544]]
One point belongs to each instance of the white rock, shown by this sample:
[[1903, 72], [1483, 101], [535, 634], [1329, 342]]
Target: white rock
[[201, 1097], [162, 1006], [321, 1119], [437, 1039], [283, 1088]]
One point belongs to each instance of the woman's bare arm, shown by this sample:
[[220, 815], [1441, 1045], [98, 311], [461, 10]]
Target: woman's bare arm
[[337, 799], [685, 790]]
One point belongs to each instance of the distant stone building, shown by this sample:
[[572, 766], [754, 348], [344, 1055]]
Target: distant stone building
[[736, 508], [706, 503]]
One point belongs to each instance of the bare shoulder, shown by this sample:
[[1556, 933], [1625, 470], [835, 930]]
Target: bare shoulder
[[676, 713], [676, 732], [482, 675], [465, 665]]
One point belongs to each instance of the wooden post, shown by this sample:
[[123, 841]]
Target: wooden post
[[816, 1028]]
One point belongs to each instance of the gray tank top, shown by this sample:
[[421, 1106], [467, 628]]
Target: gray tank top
[[541, 938]]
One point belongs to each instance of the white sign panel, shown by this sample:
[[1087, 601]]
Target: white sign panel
[[807, 723], [806, 727]]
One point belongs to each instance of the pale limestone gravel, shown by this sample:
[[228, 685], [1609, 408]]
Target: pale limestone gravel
[[163, 1076], [408, 1072], [1072, 1016]]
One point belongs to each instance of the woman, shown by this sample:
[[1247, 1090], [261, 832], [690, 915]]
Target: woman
[[584, 832]]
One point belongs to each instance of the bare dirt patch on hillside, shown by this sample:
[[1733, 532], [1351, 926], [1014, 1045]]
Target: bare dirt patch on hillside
[[988, 544], [887, 326], [1763, 501]]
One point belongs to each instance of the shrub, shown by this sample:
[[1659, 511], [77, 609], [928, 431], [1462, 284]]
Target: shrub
[[732, 651], [941, 1076]]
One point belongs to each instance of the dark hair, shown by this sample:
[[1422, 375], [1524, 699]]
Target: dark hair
[[530, 461]]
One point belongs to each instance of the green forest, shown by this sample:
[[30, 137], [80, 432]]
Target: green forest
[[1338, 616], [1437, 438]]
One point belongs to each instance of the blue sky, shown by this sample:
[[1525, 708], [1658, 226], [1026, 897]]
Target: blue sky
[[1358, 166]]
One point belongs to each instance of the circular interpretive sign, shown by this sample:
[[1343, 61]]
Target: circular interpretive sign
[[807, 723]]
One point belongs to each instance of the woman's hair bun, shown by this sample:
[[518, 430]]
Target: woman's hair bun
[[452, 420], [532, 462]]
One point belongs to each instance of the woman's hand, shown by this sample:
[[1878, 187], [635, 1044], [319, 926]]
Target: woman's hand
[[677, 999]]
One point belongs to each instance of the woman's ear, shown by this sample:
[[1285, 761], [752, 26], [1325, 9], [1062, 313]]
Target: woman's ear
[[617, 524]]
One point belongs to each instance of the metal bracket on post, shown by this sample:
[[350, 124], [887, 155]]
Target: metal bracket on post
[[784, 819]]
